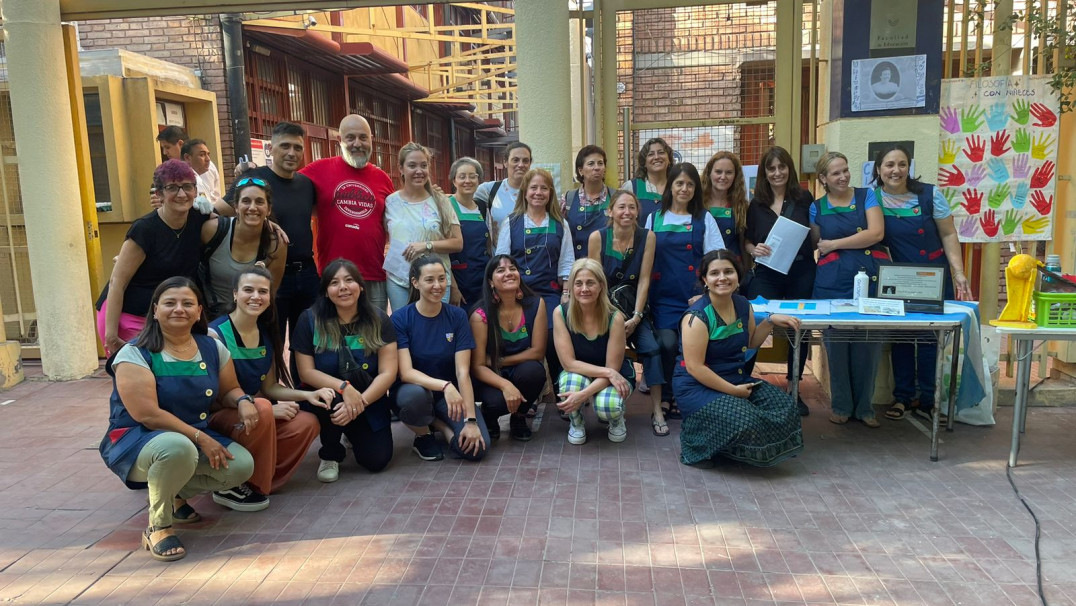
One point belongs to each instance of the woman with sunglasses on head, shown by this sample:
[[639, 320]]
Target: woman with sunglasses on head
[[848, 225], [419, 218], [280, 434], [727, 412], [166, 242], [653, 170], [537, 238], [509, 327], [779, 194], [684, 232], [158, 437], [346, 344], [241, 241], [725, 196], [469, 263], [626, 252], [919, 228], [435, 347]]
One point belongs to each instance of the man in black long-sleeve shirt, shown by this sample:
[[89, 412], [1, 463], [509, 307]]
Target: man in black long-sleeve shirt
[[293, 207]]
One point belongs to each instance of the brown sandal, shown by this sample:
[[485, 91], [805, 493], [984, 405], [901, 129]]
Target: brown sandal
[[837, 419], [897, 411]]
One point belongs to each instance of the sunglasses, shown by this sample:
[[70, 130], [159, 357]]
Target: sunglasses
[[245, 181]]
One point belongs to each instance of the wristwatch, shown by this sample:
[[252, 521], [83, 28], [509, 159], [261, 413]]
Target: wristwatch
[[429, 246], [471, 420]]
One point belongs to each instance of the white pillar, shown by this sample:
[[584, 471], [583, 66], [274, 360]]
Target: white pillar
[[41, 112], [543, 67]]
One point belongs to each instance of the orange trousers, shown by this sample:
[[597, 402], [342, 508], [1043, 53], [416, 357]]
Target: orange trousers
[[278, 446]]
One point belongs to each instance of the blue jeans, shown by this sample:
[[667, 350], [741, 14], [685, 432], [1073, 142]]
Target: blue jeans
[[852, 371], [420, 406], [649, 353], [913, 361]]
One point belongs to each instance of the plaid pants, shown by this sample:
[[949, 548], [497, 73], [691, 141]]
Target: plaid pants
[[607, 403]]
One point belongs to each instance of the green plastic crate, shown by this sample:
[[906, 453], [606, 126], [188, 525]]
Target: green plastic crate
[[1055, 309]]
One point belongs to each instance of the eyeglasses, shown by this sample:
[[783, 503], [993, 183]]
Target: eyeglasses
[[173, 188], [245, 181]]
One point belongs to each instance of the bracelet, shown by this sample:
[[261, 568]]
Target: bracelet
[[195, 438], [343, 386], [447, 383], [637, 314], [246, 397]]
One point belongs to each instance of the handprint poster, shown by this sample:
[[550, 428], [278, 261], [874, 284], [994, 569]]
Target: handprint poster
[[998, 156]]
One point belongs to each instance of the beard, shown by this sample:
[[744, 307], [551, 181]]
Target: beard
[[358, 160]]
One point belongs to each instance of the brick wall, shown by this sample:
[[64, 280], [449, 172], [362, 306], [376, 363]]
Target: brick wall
[[193, 42]]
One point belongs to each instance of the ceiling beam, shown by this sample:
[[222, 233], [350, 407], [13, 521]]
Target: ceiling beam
[[82, 10]]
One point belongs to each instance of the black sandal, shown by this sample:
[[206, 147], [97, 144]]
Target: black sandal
[[672, 412], [897, 411], [661, 428], [160, 549], [185, 514]]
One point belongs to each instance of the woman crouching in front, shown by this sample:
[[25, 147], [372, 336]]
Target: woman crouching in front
[[435, 344], [158, 430], [726, 411]]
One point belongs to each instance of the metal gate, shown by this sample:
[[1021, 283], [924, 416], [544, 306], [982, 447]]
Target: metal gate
[[705, 79], [16, 293]]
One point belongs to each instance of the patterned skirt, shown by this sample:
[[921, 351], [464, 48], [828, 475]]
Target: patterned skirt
[[761, 431]]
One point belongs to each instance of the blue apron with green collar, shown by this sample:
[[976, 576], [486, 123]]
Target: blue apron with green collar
[[726, 223], [184, 388], [836, 271], [584, 220], [676, 262], [469, 265], [726, 353], [252, 364], [536, 250], [328, 361], [912, 235], [649, 202]]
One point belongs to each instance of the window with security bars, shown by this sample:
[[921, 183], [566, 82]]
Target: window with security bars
[[387, 117]]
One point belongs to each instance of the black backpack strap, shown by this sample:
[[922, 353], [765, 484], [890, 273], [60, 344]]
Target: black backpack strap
[[493, 192], [223, 223], [483, 208]]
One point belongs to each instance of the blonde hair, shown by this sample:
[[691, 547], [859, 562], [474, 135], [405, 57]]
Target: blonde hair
[[823, 163], [552, 206], [444, 208], [574, 316]]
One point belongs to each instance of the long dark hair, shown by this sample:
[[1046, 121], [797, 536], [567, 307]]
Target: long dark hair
[[326, 320], [266, 321], [267, 242], [416, 271], [914, 184], [695, 206], [763, 190], [492, 308], [150, 337]]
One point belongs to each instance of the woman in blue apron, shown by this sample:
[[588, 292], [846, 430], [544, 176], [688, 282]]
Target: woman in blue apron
[[919, 228], [280, 440], [848, 226], [469, 263], [727, 412], [590, 342], [778, 194], [684, 232], [653, 167], [435, 349], [509, 327], [584, 208], [346, 344], [626, 252], [725, 196], [536, 237], [158, 437]]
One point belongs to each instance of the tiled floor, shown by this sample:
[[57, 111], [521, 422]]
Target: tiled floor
[[862, 517]]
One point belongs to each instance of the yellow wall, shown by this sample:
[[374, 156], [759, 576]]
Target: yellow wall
[[410, 51]]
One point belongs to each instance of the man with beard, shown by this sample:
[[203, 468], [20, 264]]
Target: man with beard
[[350, 194], [293, 206]]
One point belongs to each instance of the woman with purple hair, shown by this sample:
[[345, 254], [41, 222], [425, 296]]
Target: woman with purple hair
[[166, 242]]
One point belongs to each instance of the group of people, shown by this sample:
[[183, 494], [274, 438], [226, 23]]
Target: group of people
[[446, 312]]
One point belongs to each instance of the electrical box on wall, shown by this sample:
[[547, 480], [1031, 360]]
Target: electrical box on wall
[[809, 155]]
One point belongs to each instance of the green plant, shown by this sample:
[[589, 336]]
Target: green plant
[[1058, 31]]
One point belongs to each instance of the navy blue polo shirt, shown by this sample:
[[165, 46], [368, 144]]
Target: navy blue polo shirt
[[433, 341]]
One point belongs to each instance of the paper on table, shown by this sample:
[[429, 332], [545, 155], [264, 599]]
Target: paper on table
[[799, 308], [784, 241], [881, 307], [395, 263]]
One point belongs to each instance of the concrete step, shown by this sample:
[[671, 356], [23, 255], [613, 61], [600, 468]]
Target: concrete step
[[1053, 392]]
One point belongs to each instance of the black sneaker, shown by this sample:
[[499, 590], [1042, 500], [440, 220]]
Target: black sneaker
[[494, 429], [427, 448], [518, 429], [804, 411], [241, 498]]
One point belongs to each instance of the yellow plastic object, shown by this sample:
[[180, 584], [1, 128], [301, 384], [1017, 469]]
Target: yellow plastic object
[[1019, 286]]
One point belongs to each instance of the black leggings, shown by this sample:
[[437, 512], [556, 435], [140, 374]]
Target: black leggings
[[420, 406], [669, 348], [529, 379], [373, 449]]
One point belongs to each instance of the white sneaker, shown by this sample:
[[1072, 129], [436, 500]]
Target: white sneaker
[[328, 471], [577, 428], [618, 430]]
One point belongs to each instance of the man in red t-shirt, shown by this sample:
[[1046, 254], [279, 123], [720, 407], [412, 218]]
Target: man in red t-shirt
[[351, 206]]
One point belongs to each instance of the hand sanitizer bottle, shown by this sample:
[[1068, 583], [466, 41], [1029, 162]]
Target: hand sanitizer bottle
[[860, 285]]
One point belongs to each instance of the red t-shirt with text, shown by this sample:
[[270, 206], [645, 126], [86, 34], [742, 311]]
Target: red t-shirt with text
[[351, 214]]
